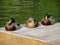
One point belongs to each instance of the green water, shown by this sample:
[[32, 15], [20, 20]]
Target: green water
[[23, 9]]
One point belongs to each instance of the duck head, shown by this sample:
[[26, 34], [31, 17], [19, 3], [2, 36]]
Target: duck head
[[12, 20], [31, 20], [47, 15]]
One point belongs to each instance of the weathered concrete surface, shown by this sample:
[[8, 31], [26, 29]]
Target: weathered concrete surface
[[49, 34]]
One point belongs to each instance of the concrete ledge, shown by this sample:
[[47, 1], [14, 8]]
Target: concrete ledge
[[41, 35]]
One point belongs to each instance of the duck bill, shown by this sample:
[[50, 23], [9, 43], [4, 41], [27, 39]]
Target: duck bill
[[9, 22], [46, 18]]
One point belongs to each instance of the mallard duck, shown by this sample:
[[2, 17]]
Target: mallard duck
[[31, 23], [11, 25], [48, 20]]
